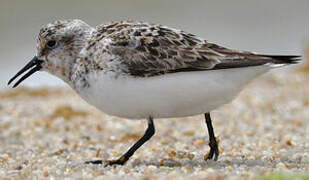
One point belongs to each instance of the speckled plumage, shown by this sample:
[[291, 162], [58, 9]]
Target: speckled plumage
[[145, 50], [138, 70], [138, 49], [135, 53]]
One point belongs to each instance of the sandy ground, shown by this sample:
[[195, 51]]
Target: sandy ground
[[49, 133]]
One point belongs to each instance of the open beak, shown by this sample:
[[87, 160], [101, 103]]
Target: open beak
[[35, 62]]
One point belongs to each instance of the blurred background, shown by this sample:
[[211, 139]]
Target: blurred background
[[270, 27]]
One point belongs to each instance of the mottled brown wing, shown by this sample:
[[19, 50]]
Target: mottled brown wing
[[149, 50]]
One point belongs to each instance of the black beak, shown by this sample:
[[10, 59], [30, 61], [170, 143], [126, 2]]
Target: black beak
[[35, 62]]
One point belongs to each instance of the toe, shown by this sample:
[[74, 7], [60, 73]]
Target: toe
[[216, 153], [120, 161], [113, 162], [209, 155], [94, 162]]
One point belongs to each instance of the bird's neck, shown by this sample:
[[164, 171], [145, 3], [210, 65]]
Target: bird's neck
[[77, 74]]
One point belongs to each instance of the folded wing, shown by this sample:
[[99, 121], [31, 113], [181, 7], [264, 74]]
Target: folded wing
[[149, 50]]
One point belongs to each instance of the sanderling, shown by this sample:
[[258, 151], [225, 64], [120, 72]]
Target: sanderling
[[139, 70]]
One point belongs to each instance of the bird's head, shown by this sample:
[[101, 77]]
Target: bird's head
[[58, 46]]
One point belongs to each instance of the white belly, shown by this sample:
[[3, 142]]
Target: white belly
[[166, 96]]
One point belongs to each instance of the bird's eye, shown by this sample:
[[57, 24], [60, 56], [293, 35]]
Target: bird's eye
[[51, 44]]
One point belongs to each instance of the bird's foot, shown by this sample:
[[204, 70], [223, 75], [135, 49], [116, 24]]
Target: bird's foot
[[120, 161], [94, 162], [214, 151]]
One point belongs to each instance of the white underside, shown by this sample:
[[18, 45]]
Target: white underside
[[166, 96]]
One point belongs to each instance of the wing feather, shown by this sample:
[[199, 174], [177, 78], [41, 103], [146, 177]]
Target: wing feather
[[148, 50]]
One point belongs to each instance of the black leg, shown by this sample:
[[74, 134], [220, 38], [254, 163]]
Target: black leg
[[125, 157], [212, 140]]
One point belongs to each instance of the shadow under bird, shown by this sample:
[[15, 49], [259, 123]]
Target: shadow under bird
[[138, 70]]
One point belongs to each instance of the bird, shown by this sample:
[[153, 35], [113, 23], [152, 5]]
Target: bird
[[139, 70]]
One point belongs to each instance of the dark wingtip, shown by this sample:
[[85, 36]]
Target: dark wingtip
[[285, 59]]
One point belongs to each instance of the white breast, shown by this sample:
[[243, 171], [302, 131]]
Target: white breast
[[166, 96]]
